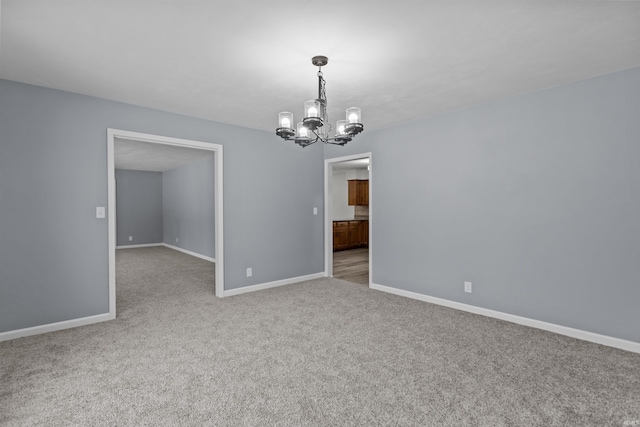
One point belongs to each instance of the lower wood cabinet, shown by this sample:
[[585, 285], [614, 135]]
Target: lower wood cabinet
[[350, 234], [354, 234], [364, 233], [340, 235]]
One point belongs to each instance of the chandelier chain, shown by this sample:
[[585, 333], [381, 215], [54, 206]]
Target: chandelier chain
[[322, 94]]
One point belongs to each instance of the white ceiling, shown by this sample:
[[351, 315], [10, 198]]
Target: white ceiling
[[241, 61], [146, 156], [351, 164]]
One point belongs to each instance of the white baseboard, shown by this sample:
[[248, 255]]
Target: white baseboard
[[274, 284], [551, 327], [175, 248], [51, 327], [145, 245], [197, 255], [73, 323]]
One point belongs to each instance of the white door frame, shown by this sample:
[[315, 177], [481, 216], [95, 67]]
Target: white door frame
[[112, 134], [328, 209]]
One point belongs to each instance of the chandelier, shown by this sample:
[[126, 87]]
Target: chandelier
[[315, 125]]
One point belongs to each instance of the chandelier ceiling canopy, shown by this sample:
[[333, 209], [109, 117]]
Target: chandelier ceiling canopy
[[315, 125]]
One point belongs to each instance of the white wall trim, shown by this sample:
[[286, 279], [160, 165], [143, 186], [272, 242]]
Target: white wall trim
[[197, 255], [538, 324], [144, 245], [51, 327], [274, 284], [166, 245], [328, 211], [111, 219], [112, 135]]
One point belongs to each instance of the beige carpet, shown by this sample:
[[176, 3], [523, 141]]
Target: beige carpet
[[320, 353]]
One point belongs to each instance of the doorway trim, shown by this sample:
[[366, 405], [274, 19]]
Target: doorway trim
[[112, 134], [328, 209]]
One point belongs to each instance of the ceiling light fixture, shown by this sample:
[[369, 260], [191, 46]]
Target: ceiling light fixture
[[315, 124]]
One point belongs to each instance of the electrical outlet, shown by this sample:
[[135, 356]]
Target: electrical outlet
[[467, 287], [315, 211], [130, 238], [249, 272], [176, 240]]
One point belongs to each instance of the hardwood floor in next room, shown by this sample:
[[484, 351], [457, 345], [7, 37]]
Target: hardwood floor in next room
[[352, 265]]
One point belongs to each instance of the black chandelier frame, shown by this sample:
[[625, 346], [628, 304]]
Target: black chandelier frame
[[319, 125]]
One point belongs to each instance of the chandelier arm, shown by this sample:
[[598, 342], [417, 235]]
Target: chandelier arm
[[318, 137], [337, 141], [324, 137]]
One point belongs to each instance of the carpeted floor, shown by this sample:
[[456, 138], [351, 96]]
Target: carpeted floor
[[320, 353]]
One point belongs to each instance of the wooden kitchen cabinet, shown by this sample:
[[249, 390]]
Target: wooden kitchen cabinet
[[358, 192], [364, 233], [354, 234], [340, 235], [350, 235]]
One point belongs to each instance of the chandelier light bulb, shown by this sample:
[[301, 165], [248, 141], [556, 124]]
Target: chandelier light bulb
[[354, 115], [303, 132], [311, 108], [285, 120]]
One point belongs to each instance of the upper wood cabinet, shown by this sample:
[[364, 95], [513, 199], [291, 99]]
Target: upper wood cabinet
[[358, 192]]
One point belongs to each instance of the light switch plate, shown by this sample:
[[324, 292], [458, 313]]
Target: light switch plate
[[100, 212]]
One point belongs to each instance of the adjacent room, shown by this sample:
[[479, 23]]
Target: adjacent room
[[165, 200], [350, 220], [300, 214]]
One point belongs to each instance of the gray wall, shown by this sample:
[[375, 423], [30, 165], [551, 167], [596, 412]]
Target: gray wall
[[138, 207], [340, 208], [188, 206], [53, 174], [534, 199]]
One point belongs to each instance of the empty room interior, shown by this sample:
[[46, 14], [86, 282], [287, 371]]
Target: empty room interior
[[293, 213]]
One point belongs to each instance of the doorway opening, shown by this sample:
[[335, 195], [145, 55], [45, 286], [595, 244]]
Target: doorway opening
[[348, 218], [158, 152]]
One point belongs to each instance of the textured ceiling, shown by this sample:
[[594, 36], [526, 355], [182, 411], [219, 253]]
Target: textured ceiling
[[242, 62], [146, 156], [351, 164]]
